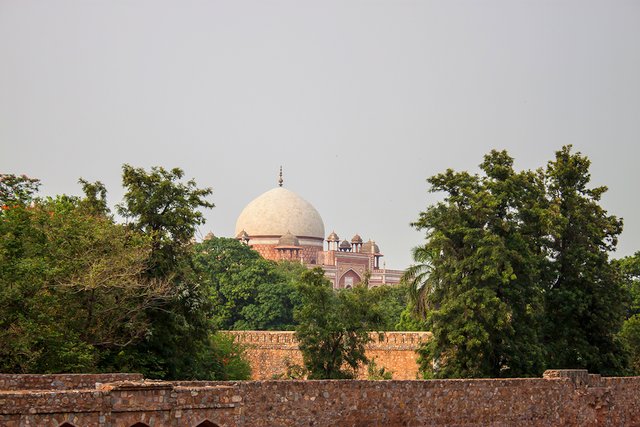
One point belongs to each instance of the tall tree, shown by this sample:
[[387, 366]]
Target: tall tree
[[476, 285], [515, 272], [81, 293], [160, 205], [167, 210], [629, 271], [584, 300], [418, 284]]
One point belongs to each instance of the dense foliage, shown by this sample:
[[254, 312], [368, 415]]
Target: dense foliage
[[333, 326], [81, 293], [629, 270], [229, 361], [585, 301], [514, 275], [159, 205], [247, 292], [72, 289]]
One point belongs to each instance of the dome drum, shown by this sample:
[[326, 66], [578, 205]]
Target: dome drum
[[273, 240]]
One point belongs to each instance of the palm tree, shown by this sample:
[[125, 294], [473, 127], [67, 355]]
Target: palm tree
[[419, 281]]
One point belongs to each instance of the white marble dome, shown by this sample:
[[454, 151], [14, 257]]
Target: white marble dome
[[278, 212]]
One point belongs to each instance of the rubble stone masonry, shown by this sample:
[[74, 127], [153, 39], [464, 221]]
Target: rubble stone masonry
[[270, 352], [567, 398]]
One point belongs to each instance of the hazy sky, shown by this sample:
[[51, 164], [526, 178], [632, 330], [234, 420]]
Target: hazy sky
[[360, 101]]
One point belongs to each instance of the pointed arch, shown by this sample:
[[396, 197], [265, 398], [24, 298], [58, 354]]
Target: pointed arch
[[207, 423], [349, 279]]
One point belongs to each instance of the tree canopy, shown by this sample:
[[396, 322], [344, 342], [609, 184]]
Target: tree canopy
[[71, 287], [333, 326], [585, 302], [514, 275], [629, 270], [82, 293], [159, 205], [247, 291], [163, 207]]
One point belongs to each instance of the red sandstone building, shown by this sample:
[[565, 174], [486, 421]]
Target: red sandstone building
[[281, 225]]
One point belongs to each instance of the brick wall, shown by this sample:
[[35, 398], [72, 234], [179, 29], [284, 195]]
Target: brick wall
[[269, 352], [561, 398]]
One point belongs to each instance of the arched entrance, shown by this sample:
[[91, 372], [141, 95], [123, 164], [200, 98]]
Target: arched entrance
[[349, 279]]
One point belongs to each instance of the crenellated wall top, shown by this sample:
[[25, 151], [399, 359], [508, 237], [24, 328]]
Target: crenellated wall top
[[288, 340]]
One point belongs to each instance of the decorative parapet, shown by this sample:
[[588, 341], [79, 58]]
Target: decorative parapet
[[266, 339]]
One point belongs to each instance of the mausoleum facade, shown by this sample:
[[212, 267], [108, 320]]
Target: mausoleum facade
[[281, 225]]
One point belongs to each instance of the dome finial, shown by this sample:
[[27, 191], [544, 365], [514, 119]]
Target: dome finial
[[280, 180]]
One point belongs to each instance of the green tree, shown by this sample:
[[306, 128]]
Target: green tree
[[390, 301], [515, 272], [629, 270], [584, 300], [167, 210], [16, 189], [476, 285], [81, 293], [375, 374], [272, 308], [247, 291], [416, 282], [163, 207], [333, 326], [71, 288], [630, 338], [230, 362], [95, 197]]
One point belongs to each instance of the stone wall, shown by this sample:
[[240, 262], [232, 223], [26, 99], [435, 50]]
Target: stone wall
[[61, 381], [269, 352], [571, 398]]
